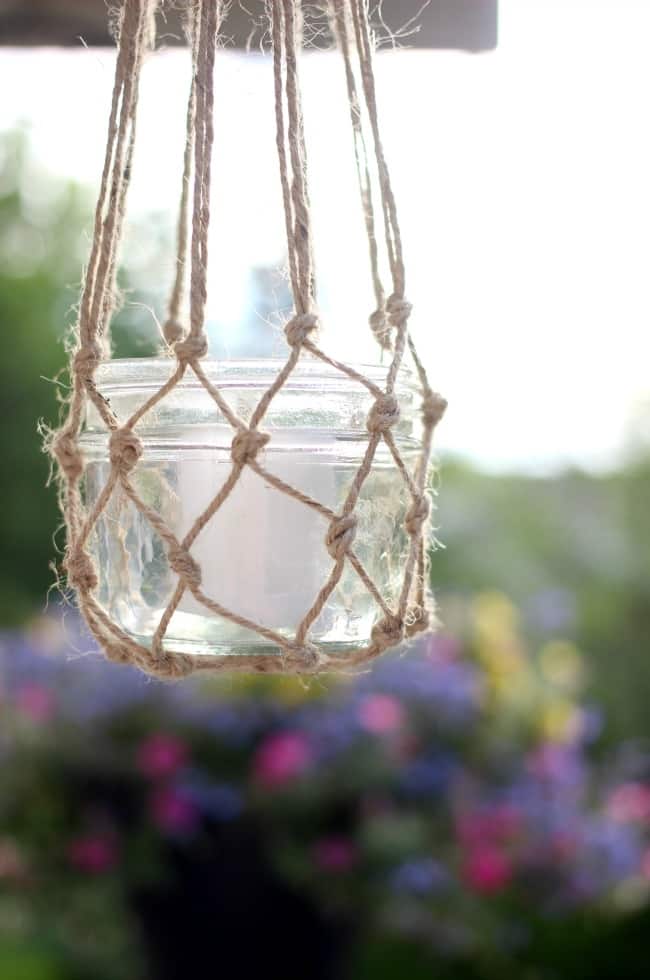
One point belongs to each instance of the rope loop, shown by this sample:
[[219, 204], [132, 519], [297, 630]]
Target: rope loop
[[124, 449], [68, 455], [384, 414], [340, 536], [187, 569], [299, 328], [192, 348], [247, 444], [387, 633], [304, 657], [434, 407], [418, 620], [82, 574], [399, 310], [417, 515], [381, 328], [167, 666], [173, 331], [87, 359]]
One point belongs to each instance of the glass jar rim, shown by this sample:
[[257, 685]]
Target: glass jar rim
[[152, 372]]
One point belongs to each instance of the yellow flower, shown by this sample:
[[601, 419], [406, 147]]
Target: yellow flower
[[561, 664]]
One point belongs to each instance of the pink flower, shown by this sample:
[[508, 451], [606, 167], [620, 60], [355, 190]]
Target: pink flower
[[281, 758], [443, 648], [36, 702], [335, 854], [161, 756], [381, 714], [487, 870], [493, 826], [94, 854], [172, 812], [645, 864], [630, 803]]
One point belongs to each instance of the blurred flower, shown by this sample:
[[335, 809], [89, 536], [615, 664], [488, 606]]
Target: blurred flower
[[281, 758], [173, 812], [335, 854], [492, 825], [220, 801], [487, 870], [442, 646], [427, 776], [93, 854], [161, 756], [36, 702], [561, 663], [556, 763], [420, 876], [381, 714], [629, 803], [553, 610], [561, 721]]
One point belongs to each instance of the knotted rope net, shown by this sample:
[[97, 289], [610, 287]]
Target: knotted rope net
[[411, 612]]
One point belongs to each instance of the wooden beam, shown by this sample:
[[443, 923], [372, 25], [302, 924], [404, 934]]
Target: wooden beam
[[463, 24]]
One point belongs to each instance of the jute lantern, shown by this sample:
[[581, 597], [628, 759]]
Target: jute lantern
[[269, 515]]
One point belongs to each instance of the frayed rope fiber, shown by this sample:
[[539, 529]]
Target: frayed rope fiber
[[188, 345]]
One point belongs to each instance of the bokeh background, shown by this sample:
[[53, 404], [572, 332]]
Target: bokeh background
[[481, 807]]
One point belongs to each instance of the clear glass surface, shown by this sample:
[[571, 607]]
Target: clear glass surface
[[263, 554]]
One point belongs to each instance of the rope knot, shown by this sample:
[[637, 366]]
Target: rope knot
[[167, 666], [417, 515], [340, 536], [304, 657], [81, 571], [387, 633], [87, 359], [433, 408], [173, 331], [381, 328], [68, 456], [247, 444], [299, 327], [187, 569], [399, 310], [191, 349], [384, 414], [418, 620], [125, 449]]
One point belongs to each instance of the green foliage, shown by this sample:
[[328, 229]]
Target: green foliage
[[585, 536], [44, 227]]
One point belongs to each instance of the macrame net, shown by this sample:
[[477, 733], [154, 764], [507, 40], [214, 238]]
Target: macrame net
[[411, 612]]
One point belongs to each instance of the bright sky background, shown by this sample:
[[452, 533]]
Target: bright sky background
[[523, 180]]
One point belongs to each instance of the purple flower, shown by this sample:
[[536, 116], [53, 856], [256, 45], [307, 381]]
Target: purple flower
[[220, 801], [419, 876]]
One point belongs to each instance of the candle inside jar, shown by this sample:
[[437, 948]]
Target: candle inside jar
[[262, 554]]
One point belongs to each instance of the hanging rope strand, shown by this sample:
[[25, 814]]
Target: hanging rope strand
[[301, 239], [364, 43], [89, 351], [339, 17], [208, 16], [173, 328]]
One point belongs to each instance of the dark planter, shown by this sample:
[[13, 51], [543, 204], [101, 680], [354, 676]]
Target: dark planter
[[223, 912]]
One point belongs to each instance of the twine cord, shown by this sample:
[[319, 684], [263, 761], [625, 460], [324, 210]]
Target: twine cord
[[299, 654]]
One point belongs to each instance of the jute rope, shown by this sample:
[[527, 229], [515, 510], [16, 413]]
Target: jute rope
[[390, 321]]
